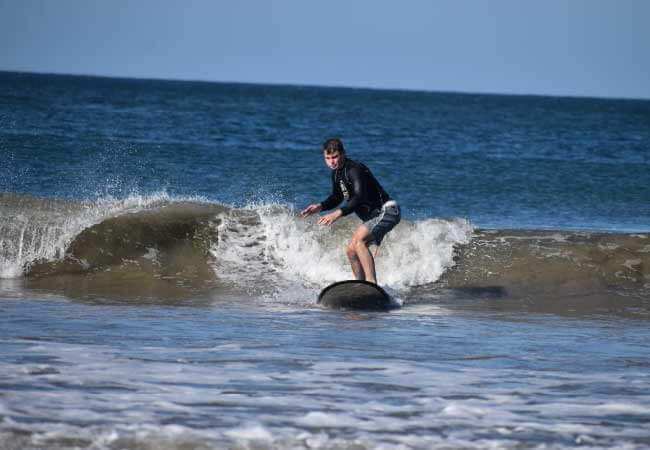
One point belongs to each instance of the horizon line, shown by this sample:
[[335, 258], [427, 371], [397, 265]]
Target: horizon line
[[332, 86]]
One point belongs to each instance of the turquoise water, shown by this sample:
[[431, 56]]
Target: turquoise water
[[158, 288]]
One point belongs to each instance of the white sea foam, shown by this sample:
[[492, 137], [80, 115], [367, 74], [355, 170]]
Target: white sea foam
[[622, 408], [117, 397], [457, 410], [252, 432], [413, 253], [420, 252], [632, 264], [302, 248], [326, 420], [260, 245]]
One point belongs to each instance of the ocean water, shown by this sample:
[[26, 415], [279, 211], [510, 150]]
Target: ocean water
[[158, 287]]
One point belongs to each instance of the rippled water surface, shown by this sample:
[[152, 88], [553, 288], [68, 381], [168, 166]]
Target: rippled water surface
[[127, 376], [158, 286]]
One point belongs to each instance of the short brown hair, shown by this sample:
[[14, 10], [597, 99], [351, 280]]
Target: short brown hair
[[333, 145]]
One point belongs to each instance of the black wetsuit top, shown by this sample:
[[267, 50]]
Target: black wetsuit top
[[355, 183]]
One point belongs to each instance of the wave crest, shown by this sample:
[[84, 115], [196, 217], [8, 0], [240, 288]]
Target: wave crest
[[159, 246]]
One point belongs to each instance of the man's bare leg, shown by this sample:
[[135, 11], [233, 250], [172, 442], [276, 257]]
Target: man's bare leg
[[354, 261], [359, 248], [357, 269]]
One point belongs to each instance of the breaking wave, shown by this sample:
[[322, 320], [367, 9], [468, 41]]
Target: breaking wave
[[159, 246]]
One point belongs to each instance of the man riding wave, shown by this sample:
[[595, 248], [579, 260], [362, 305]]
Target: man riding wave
[[353, 182]]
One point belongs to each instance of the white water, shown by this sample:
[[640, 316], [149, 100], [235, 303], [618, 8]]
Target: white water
[[273, 245], [413, 253], [264, 247]]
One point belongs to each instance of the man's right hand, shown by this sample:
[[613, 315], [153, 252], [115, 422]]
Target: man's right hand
[[312, 209]]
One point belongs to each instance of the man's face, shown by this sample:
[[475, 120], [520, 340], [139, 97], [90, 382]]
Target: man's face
[[334, 160]]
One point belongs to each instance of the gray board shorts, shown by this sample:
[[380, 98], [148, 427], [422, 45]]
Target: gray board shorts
[[383, 220]]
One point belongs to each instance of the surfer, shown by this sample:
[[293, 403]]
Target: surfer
[[353, 182]]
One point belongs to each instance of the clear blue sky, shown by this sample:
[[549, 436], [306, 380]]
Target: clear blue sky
[[558, 47]]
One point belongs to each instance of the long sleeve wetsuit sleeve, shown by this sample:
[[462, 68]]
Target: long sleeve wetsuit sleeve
[[335, 197]]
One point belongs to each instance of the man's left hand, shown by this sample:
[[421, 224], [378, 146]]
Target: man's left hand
[[329, 219]]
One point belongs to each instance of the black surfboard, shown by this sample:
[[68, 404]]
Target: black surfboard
[[355, 294]]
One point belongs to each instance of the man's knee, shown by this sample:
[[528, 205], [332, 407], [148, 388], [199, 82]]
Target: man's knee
[[352, 249], [363, 243]]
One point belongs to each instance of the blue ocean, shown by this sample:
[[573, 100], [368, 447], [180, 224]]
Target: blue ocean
[[158, 286]]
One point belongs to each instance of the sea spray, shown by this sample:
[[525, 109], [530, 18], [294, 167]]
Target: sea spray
[[414, 253], [39, 229], [195, 245], [312, 253], [34, 229], [419, 252]]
